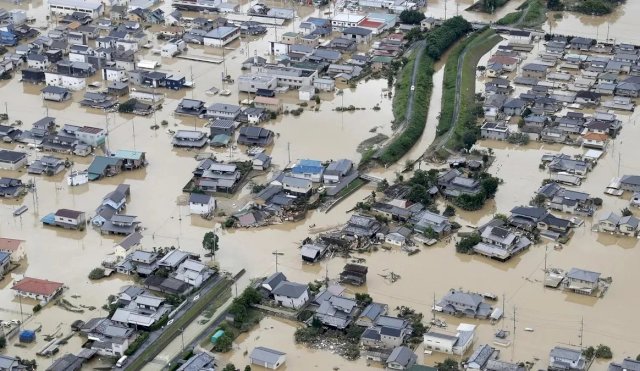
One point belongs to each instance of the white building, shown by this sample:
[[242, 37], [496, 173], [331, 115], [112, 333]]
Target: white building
[[13, 247], [76, 178], [65, 81], [221, 36], [344, 20], [457, 344], [291, 294], [251, 83], [193, 272], [93, 8], [200, 204]]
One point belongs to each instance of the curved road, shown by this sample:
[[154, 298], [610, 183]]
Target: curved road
[[418, 47]]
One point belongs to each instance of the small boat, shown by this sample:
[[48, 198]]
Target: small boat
[[95, 84], [225, 92], [438, 323], [21, 210], [212, 91], [254, 151], [528, 329]]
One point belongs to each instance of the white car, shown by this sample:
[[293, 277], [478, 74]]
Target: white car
[[195, 298], [413, 87]]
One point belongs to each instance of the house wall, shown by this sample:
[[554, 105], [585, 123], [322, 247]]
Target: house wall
[[207, 41], [200, 209], [69, 82], [494, 134], [533, 74], [438, 344], [13, 166], [294, 303], [114, 75], [16, 255]]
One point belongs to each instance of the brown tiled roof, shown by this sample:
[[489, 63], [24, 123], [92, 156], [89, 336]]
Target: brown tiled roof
[[9, 244], [37, 286], [90, 129], [66, 213]]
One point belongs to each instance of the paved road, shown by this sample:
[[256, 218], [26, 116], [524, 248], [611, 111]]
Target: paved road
[[418, 47], [154, 335]]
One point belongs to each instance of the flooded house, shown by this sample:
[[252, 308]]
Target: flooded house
[[336, 170], [401, 358], [458, 343], [217, 177], [582, 281], [142, 312], [128, 245], [38, 289], [104, 166], [120, 224], [453, 184], [191, 107], [370, 314], [627, 364], [386, 333], [199, 361], [140, 262], [614, 223], [354, 274], [65, 218], [267, 358], [291, 294], [500, 243], [336, 311], [362, 226], [308, 169], [193, 273], [261, 161], [255, 136], [398, 236], [480, 357], [201, 204], [98, 100], [297, 186], [189, 139], [468, 304], [528, 218], [630, 183], [12, 160], [565, 359], [55, 93], [13, 247], [311, 253], [47, 165], [426, 220], [106, 337], [11, 187], [494, 130]]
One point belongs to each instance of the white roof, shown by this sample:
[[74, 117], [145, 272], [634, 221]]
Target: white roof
[[346, 17], [79, 4], [147, 64]]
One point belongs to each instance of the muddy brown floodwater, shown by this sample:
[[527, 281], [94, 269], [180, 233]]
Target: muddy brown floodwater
[[68, 257]]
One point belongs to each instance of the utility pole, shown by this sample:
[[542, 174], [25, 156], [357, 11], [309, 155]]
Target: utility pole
[[289, 152], [433, 309], [513, 348], [133, 130], [546, 248], [276, 253], [581, 330], [445, 10]]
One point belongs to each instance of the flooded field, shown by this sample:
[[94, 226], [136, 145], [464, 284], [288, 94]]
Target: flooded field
[[68, 256]]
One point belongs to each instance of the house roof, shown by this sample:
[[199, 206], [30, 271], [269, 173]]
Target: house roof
[[10, 244], [290, 289], [402, 355], [566, 353], [596, 137], [265, 355], [221, 32], [583, 275], [37, 286], [66, 213], [199, 198], [357, 31], [535, 67], [274, 280], [131, 240]]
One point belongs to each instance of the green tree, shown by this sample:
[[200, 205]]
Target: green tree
[[210, 243], [229, 367], [589, 352], [469, 138], [419, 193], [449, 211], [603, 351], [223, 344], [555, 5], [247, 368], [626, 212], [383, 185], [96, 274], [363, 299], [430, 233], [466, 244], [413, 34], [448, 364], [490, 186], [3, 342], [37, 308], [411, 16]]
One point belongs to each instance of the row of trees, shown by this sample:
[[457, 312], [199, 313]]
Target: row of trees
[[441, 38]]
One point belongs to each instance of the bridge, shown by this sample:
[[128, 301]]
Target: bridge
[[371, 178]]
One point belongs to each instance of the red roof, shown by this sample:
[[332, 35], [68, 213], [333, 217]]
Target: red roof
[[596, 136], [9, 244], [370, 24], [37, 286], [503, 59]]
